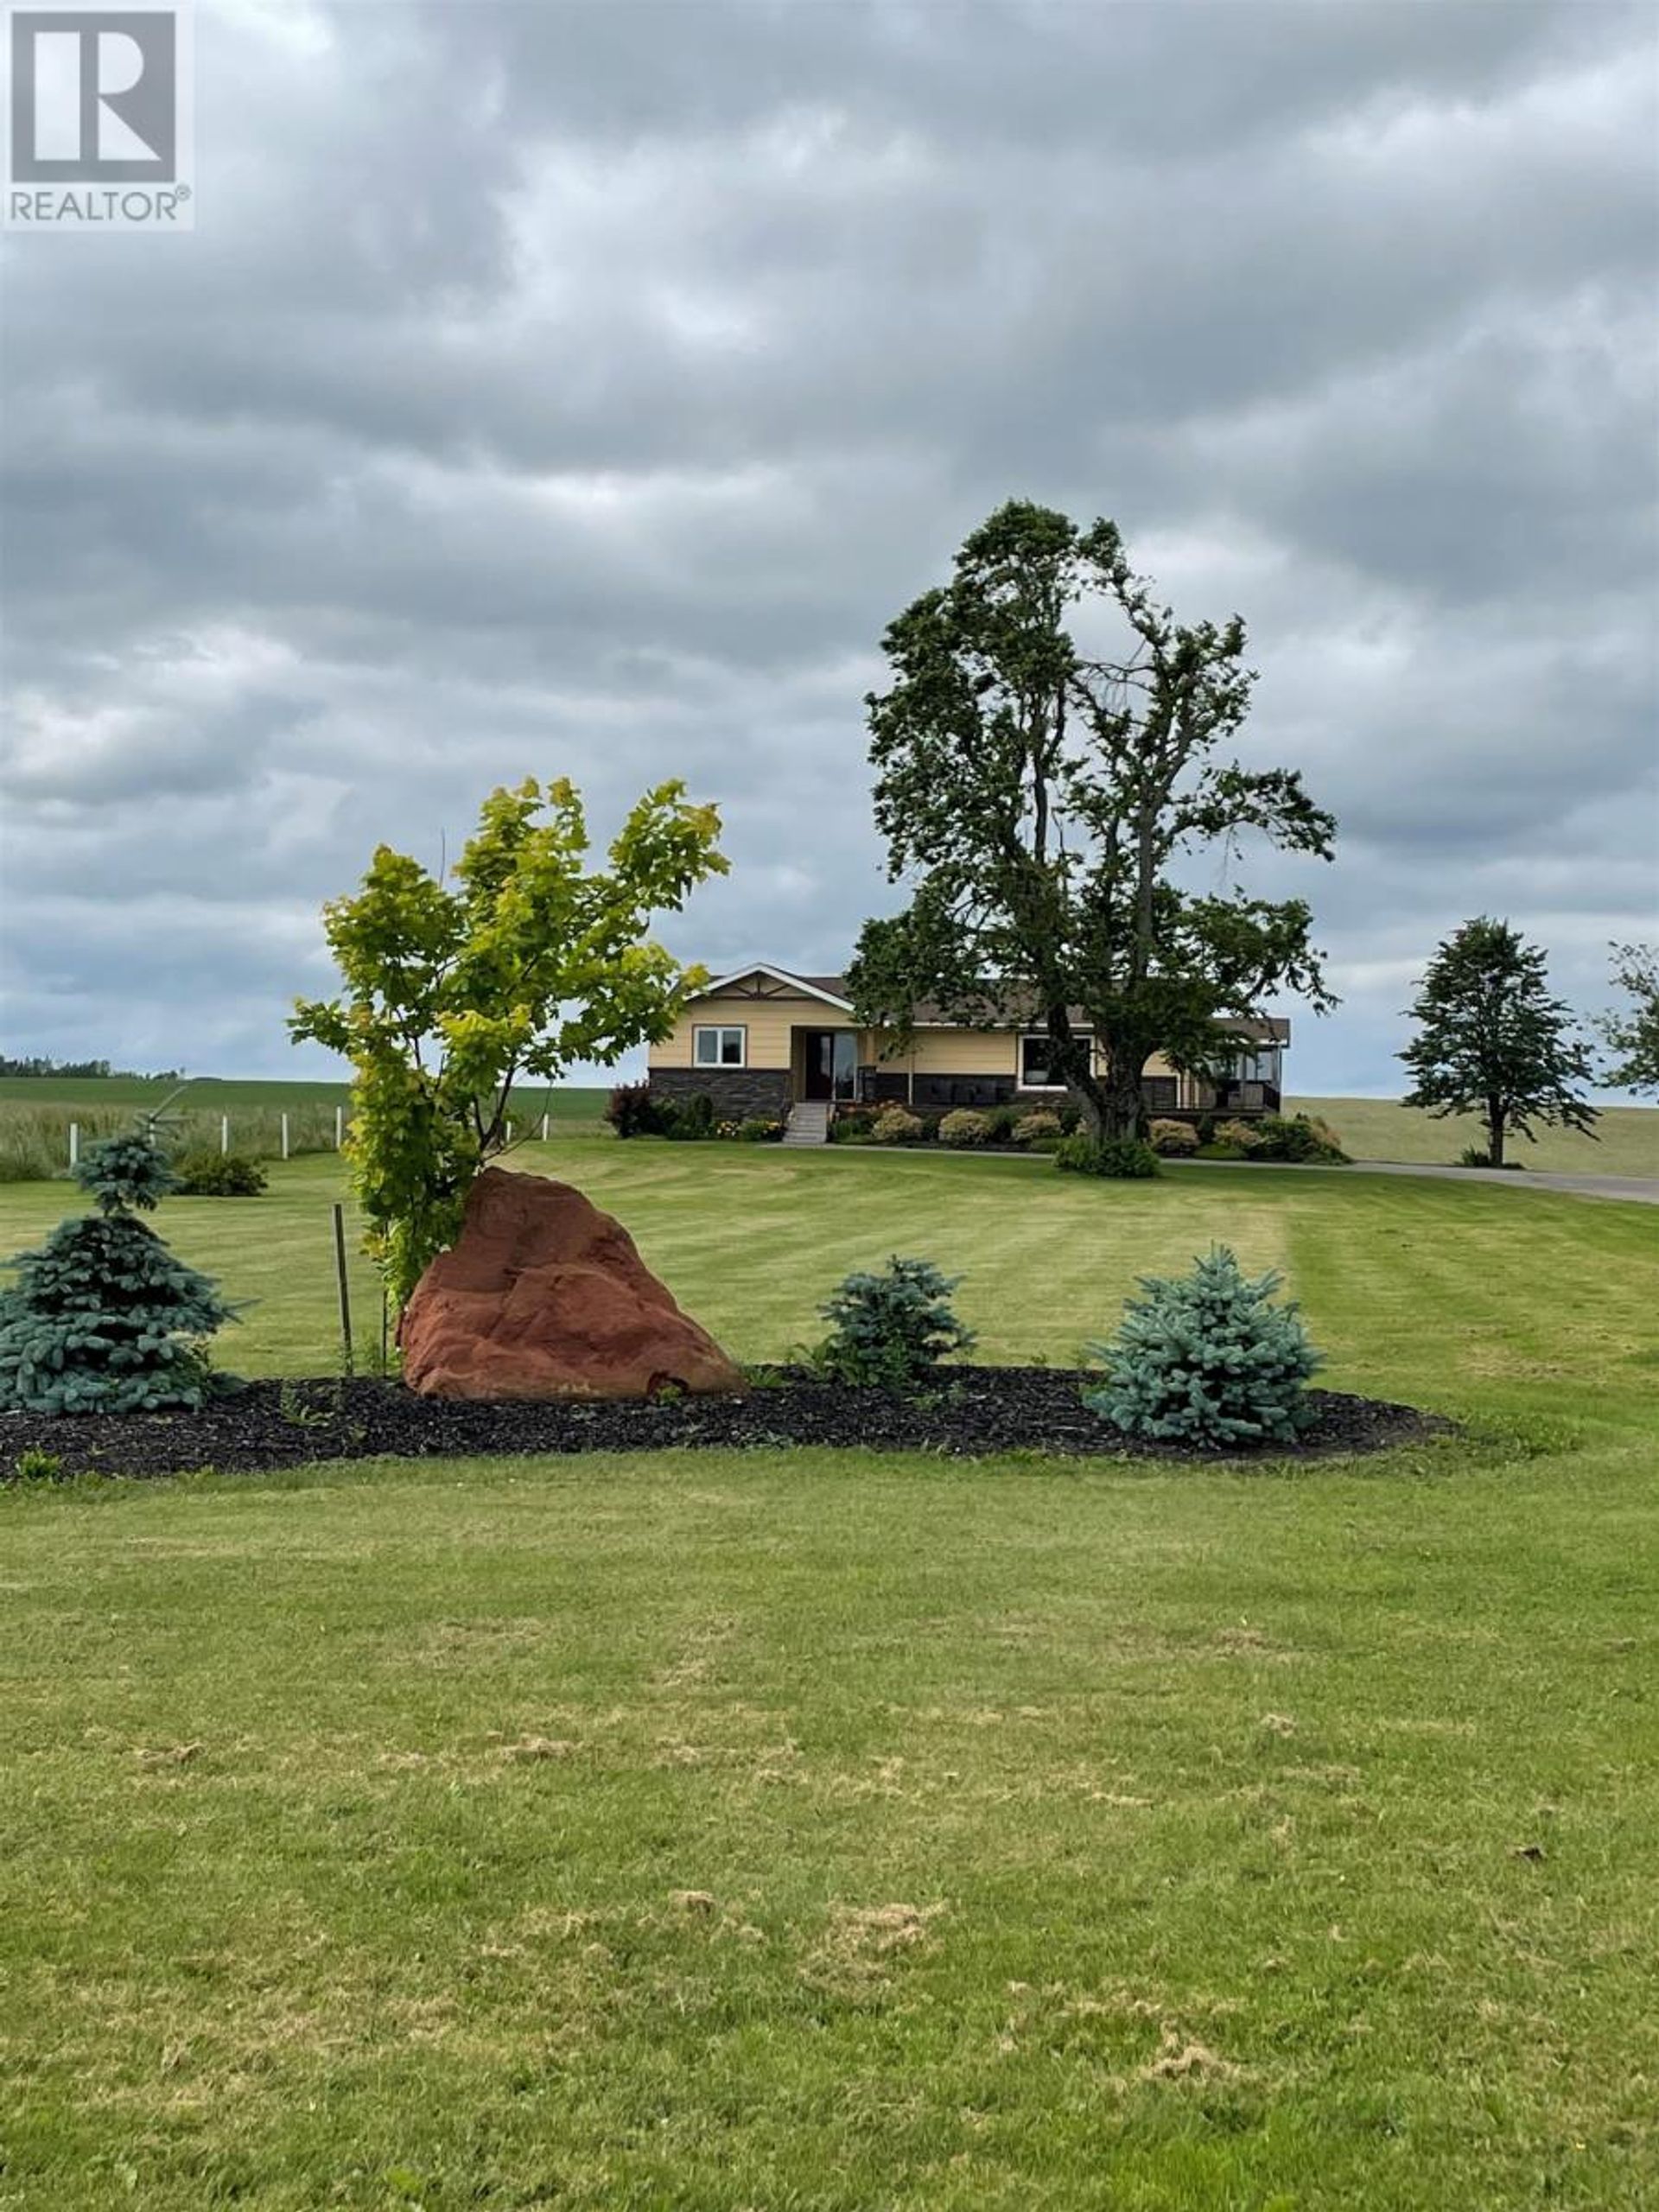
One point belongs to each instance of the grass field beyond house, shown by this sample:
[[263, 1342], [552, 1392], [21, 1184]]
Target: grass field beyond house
[[833, 1831], [1626, 1142]]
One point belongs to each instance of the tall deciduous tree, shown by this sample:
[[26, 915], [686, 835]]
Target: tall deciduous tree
[[1040, 797], [1633, 1032], [1491, 1040], [527, 962]]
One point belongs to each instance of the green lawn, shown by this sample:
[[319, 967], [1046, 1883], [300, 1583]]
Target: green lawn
[[827, 1833], [1626, 1142]]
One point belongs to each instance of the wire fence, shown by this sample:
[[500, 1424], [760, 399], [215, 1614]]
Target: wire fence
[[40, 1144]]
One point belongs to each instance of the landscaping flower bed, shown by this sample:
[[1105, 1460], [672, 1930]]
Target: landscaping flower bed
[[968, 1412]]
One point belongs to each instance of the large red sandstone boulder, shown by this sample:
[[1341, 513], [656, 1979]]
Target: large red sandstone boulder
[[544, 1296]]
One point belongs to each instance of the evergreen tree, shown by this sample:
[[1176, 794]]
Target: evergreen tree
[[103, 1318], [893, 1328], [1492, 1041], [1634, 1035], [1207, 1358]]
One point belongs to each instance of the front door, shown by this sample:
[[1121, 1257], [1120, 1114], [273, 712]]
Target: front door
[[831, 1063]]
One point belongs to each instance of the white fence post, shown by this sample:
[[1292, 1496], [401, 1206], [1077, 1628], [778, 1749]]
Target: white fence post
[[74, 1143], [224, 1132], [543, 1129], [340, 1129], [284, 1136]]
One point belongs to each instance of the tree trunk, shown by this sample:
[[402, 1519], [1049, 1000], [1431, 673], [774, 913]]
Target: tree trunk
[[1123, 1114], [1496, 1118]]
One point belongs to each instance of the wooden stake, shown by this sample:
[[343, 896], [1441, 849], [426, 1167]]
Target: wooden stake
[[345, 1287]]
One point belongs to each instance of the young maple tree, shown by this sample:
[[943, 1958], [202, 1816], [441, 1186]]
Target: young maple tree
[[1491, 1040], [1041, 799], [1633, 1032], [523, 964]]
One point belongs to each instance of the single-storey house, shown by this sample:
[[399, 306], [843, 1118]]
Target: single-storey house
[[762, 1040]]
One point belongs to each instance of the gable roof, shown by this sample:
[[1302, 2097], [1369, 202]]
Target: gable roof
[[1264, 1029], [831, 989]]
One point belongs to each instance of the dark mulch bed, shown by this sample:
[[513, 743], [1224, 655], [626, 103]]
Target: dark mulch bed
[[974, 1411]]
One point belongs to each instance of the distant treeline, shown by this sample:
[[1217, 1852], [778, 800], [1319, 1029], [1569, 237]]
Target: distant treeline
[[37, 1066]]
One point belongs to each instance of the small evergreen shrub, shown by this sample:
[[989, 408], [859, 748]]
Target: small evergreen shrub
[[1128, 1159], [103, 1318], [1002, 1123], [897, 1125], [1071, 1118], [219, 1175], [1242, 1136], [1207, 1358], [1031, 1128], [1173, 1140], [688, 1120], [964, 1128], [1473, 1156], [890, 1329]]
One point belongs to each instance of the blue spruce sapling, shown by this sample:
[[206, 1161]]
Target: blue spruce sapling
[[103, 1318]]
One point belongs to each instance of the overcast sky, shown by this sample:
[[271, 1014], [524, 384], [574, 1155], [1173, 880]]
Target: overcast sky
[[554, 390]]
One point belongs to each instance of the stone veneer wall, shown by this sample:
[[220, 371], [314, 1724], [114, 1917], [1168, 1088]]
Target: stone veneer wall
[[738, 1093]]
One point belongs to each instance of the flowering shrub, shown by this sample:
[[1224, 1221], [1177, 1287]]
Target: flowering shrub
[[1297, 1139], [1036, 1126], [1241, 1135], [1173, 1140], [964, 1128], [897, 1126]]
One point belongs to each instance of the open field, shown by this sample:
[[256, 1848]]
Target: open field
[[212, 1094], [37, 1112], [832, 1832], [1626, 1141]]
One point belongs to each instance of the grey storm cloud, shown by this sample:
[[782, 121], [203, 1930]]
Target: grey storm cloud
[[582, 389]]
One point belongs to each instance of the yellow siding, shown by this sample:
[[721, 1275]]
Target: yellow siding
[[961, 1051], [767, 1020], [770, 1022]]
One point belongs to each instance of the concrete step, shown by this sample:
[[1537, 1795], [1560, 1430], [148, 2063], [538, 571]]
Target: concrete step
[[808, 1122]]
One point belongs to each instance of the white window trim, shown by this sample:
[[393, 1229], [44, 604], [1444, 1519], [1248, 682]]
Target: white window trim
[[1040, 1037], [719, 1029]]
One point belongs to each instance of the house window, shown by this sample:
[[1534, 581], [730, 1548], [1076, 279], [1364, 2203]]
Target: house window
[[720, 1048], [1261, 1066], [1035, 1074]]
